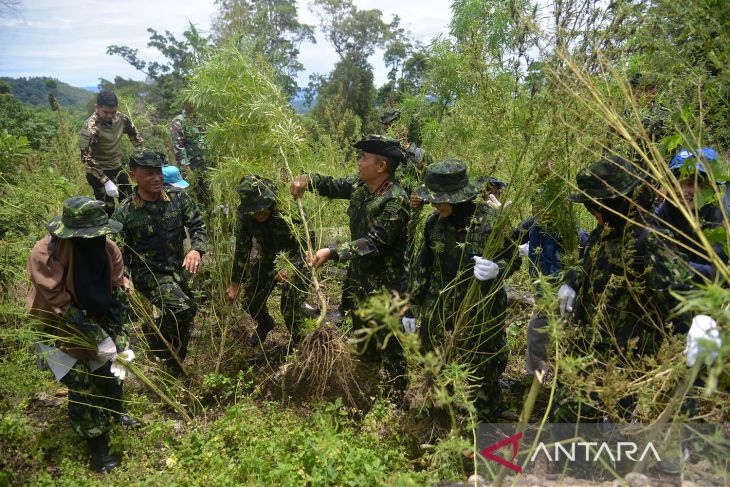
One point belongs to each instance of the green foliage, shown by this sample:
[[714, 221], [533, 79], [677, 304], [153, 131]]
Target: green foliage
[[19, 120], [273, 31], [35, 91], [354, 34], [182, 56]]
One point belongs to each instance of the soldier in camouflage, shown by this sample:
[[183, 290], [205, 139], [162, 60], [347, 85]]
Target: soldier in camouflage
[[619, 296], [79, 293], [188, 145], [409, 174], [100, 141], [155, 220], [259, 218], [655, 118], [448, 264], [379, 213]]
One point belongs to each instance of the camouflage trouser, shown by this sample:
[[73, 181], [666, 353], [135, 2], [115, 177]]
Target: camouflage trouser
[[483, 345], [178, 311], [94, 399], [200, 187], [259, 286], [379, 350]]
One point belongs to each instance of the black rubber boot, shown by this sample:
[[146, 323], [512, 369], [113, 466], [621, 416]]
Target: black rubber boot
[[101, 460], [266, 324]]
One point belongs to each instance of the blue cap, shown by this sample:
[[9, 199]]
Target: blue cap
[[173, 177], [683, 156]]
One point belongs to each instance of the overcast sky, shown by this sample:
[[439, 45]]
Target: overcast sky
[[67, 39]]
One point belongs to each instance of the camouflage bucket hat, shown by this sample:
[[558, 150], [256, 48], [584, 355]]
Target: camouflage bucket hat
[[607, 179], [83, 218], [257, 194], [448, 182], [382, 145], [147, 158], [389, 116]]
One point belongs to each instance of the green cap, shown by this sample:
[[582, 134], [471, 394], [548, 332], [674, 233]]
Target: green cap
[[389, 116], [147, 158], [82, 218], [382, 145], [448, 182], [257, 194], [606, 179]]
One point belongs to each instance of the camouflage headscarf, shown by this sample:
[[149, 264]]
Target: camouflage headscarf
[[82, 218], [604, 180], [257, 194], [447, 182]]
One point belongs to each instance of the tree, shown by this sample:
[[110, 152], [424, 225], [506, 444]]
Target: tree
[[355, 35], [167, 78], [272, 29]]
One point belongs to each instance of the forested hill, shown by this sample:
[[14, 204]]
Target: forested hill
[[35, 91]]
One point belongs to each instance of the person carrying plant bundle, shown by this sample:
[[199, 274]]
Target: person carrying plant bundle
[[379, 214], [620, 297], [155, 220], [410, 173], [259, 218], [79, 293], [688, 168], [188, 145], [100, 141], [542, 240], [454, 288]]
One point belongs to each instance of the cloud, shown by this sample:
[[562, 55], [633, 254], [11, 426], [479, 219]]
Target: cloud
[[67, 39]]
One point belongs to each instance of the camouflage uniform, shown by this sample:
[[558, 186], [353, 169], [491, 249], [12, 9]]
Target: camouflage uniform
[[188, 145], [623, 288], [273, 237], [377, 251], [101, 154], [94, 394], [152, 244], [442, 274]]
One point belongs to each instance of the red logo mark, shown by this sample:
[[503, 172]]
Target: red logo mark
[[515, 441]]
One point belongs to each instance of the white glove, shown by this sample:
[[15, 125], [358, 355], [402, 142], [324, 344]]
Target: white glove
[[495, 204], [111, 189], [106, 350], [703, 337], [409, 324], [566, 298], [524, 249], [485, 269], [118, 367]]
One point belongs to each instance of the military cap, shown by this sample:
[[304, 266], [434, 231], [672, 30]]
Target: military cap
[[448, 182], [83, 218], [147, 158], [172, 176], [382, 145], [389, 116], [257, 194], [606, 179]]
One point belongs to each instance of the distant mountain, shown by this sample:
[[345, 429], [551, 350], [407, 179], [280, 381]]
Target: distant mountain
[[297, 101], [35, 91]]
